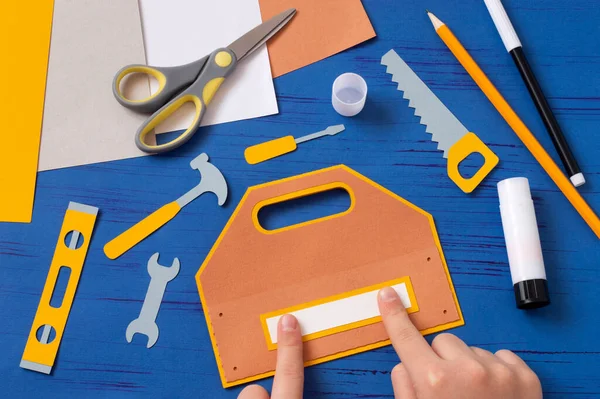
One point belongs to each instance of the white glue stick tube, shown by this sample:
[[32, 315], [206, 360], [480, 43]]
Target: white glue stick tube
[[523, 243]]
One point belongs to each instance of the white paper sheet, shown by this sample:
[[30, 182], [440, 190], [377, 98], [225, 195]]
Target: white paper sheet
[[338, 313], [180, 31]]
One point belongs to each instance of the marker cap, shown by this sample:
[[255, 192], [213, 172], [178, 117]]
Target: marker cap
[[578, 179], [503, 24]]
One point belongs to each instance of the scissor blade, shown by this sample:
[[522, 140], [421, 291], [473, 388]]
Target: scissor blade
[[251, 41]]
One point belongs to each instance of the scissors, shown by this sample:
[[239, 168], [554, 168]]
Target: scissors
[[196, 82]]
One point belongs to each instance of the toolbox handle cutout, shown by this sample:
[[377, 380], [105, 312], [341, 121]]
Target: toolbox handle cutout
[[289, 198]]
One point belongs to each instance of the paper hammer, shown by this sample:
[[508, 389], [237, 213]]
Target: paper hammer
[[212, 181]]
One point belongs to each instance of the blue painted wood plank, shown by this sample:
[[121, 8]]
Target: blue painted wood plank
[[387, 144]]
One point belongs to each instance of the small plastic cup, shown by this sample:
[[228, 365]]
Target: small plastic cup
[[349, 94]]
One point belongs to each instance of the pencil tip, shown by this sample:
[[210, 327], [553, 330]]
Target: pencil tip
[[435, 20], [427, 11]]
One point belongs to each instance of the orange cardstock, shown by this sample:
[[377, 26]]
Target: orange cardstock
[[320, 29], [250, 271]]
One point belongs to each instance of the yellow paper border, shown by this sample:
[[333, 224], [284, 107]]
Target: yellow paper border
[[346, 327]]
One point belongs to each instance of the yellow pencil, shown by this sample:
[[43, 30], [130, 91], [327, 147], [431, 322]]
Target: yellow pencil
[[516, 124]]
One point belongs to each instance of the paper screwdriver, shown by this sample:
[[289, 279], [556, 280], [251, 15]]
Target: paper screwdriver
[[268, 150]]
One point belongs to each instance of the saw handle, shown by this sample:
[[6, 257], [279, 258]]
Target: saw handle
[[460, 151]]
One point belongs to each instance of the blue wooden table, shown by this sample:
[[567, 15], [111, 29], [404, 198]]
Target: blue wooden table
[[387, 144]]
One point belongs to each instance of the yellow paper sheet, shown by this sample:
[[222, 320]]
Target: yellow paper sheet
[[320, 29], [25, 31]]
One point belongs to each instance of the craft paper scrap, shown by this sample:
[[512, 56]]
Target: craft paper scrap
[[25, 32], [177, 32], [320, 29], [83, 123]]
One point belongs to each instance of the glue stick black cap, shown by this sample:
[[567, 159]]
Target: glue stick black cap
[[531, 294]]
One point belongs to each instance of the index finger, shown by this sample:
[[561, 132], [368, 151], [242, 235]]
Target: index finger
[[289, 372], [408, 342]]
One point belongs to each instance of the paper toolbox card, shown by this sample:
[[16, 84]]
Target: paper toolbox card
[[324, 267]]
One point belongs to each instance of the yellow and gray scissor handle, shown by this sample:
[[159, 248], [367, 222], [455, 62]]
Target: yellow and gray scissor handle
[[195, 83]]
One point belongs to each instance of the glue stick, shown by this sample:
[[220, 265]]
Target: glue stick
[[523, 244]]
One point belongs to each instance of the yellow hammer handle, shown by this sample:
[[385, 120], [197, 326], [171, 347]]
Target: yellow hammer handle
[[128, 239], [269, 150]]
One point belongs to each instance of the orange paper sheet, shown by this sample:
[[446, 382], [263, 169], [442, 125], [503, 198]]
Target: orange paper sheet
[[25, 31], [320, 29]]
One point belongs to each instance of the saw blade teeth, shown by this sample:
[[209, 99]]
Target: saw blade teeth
[[430, 127], [433, 114]]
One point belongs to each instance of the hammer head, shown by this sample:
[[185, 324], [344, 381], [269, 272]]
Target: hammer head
[[212, 178]]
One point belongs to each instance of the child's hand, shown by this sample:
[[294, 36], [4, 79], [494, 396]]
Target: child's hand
[[289, 373], [445, 370], [449, 368]]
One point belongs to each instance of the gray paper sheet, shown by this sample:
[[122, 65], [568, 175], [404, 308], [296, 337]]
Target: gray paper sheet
[[83, 123]]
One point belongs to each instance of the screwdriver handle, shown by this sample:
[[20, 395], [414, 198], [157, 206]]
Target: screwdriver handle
[[268, 150]]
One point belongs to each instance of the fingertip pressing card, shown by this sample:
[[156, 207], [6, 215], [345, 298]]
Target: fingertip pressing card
[[326, 272]]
